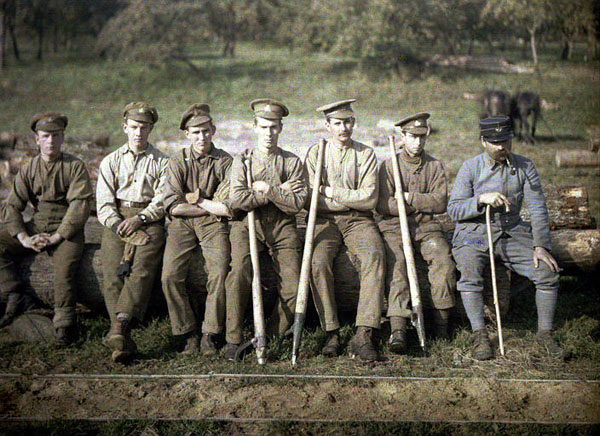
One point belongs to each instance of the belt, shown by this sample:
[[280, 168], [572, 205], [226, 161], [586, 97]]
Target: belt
[[125, 203]]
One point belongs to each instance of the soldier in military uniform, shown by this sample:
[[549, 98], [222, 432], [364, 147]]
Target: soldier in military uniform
[[424, 181], [57, 184], [129, 202], [348, 195], [196, 189], [277, 193], [503, 180]]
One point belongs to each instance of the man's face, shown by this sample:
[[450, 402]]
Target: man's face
[[267, 133], [497, 150], [201, 137], [340, 129], [50, 143], [137, 132], [414, 144]]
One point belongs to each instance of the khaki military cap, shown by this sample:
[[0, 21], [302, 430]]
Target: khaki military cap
[[196, 115], [48, 121], [140, 111], [340, 109], [415, 124], [496, 129], [269, 109]]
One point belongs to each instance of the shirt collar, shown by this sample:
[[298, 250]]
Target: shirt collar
[[491, 163], [149, 151], [212, 154]]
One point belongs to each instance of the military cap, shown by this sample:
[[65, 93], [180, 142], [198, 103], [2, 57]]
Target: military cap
[[415, 124], [496, 129], [269, 109], [195, 115], [340, 109], [48, 121], [140, 111]]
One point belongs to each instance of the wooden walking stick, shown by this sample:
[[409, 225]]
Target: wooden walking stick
[[488, 225], [304, 282], [260, 337], [418, 320]]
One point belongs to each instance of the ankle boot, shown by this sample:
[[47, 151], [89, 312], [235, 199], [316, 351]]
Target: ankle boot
[[362, 344]]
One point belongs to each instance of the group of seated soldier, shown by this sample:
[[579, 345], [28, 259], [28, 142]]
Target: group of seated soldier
[[207, 196]]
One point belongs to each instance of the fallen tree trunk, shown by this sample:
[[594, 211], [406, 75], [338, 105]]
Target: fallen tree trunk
[[575, 250], [577, 158]]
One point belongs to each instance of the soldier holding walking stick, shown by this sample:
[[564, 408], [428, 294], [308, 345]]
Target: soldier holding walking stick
[[504, 181], [425, 194]]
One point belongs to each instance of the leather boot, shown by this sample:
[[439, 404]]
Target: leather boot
[[230, 351], [362, 344], [192, 344], [440, 323], [548, 343], [331, 348], [207, 345], [66, 336], [482, 349], [119, 340], [397, 342]]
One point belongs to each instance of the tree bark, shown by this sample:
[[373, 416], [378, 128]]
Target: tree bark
[[534, 55], [13, 37], [2, 36]]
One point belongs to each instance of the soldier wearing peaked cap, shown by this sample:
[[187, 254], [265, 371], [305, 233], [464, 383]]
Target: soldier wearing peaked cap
[[424, 181], [57, 184], [505, 181], [196, 195], [348, 194], [277, 193], [129, 200]]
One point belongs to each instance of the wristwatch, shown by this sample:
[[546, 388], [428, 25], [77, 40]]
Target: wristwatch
[[143, 217]]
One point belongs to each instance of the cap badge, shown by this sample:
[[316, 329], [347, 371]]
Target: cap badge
[[498, 129], [418, 123]]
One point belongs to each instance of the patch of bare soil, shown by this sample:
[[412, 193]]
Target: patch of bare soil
[[450, 399]]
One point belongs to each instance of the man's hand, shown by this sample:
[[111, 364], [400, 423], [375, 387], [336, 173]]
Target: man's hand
[[327, 191], [540, 253], [294, 186], [52, 239], [494, 199], [128, 226], [260, 186], [36, 242]]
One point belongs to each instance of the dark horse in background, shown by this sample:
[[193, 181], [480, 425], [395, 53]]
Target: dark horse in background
[[519, 107]]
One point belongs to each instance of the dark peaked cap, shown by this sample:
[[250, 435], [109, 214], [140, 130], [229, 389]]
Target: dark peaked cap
[[140, 111], [496, 129], [415, 124], [340, 109], [48, 121], [196, 115], [269, 109]]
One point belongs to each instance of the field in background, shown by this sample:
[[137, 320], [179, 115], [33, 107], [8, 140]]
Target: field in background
[[92, 93]]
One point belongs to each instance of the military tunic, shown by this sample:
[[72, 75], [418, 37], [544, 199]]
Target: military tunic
[[60, 192], [209, 173], [129, 184], [276, 230], [424, 179], [347, 219], [514, 239]]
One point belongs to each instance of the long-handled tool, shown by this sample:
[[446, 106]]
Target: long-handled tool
[[488, 225], [260, 336], [418, 320], [304, 282]]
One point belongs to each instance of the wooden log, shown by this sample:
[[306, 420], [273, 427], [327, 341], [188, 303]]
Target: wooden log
[[576, 158]]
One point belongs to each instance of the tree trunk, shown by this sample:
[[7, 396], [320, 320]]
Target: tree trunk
[[40, 33], [2, 37], [534, 56], [577, 158], [13, 37]]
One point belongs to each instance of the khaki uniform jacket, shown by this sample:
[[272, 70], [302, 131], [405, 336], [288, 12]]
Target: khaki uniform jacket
[[60, 192]]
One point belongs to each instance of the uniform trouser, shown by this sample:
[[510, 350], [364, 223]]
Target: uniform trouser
[[279, 235], [130, 295], [184, 236], [362, 238], [442, 276], [515, 254], [65, 259]]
